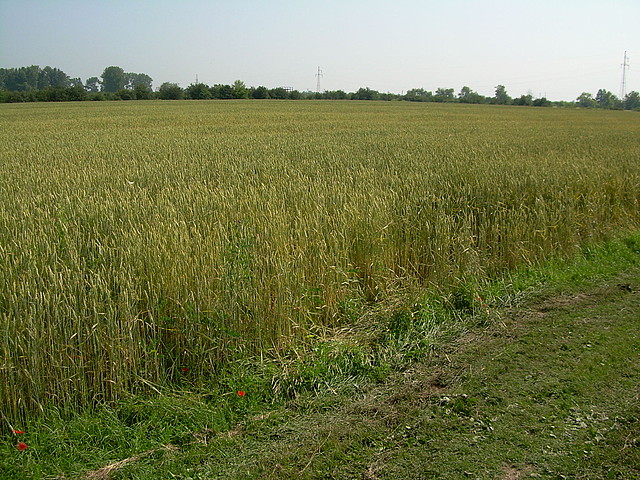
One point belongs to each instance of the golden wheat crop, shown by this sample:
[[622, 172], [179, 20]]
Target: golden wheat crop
[[138, 239]]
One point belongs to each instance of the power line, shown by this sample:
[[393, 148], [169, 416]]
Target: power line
[[319, 74], [623, 85]]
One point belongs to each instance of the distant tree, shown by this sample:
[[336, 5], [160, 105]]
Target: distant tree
[[20, 80], [223, 92], [541, 102], [260, 93], [31, 75], [388, 96], [444, 95], [467, 95], [278, 93], [7, 81], [308, 95], [170, 91], [16, 81], [606, 99], [76, 93], [524, 100], [198, 91], [464, 92], [19, 96], [142, 92], [92, 84], [52, 77], [240, 90], [59, 94], [501, 97], [335, 95], [365, 94], [96, 96], [125, 94], [296, 95], [586, 100], [418, 95], [132, 80], [113, 79], [33, 78], [51, 94], [632, 101]]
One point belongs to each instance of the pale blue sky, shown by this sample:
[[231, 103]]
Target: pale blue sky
[[555, 48]]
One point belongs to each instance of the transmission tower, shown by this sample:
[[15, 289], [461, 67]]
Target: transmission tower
[[319, 74], [623, 85]]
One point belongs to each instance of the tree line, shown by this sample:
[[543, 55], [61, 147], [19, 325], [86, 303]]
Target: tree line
[[34, 84]]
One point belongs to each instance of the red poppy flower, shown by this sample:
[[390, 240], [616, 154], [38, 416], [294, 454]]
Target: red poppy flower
[[185, 369], [18, 432], [241, 393], [22, 446]]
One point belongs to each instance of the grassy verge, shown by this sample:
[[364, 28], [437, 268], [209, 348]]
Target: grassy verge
[[534, 376]]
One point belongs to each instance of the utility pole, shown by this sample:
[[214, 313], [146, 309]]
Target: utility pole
[[319, 74], [623, 85]]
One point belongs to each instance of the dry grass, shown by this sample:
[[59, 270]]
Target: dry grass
[[105, 472]]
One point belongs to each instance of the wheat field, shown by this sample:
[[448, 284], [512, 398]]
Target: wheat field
[[139, 240]]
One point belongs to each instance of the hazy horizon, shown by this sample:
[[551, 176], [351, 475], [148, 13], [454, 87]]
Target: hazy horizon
[[554, 49]]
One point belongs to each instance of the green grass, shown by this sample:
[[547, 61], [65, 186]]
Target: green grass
[[556, 397]]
